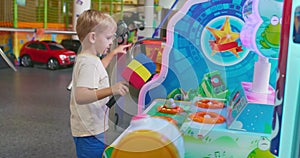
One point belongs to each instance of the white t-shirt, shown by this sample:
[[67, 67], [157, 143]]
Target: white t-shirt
[[88, 119]]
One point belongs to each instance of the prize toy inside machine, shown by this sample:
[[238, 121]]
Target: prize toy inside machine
[[208, 87]]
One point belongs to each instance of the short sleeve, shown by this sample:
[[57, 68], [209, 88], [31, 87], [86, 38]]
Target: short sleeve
[[88, 76]]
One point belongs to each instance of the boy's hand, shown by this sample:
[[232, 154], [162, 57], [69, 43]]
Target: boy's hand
[[121, 49], [120, 88]]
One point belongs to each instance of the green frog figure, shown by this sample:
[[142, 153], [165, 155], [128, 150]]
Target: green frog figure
[[270, 37]]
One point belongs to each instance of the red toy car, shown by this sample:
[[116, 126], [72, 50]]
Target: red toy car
[[46, 52]]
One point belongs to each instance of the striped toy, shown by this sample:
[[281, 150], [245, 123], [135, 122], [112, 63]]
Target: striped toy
[[139, 70]]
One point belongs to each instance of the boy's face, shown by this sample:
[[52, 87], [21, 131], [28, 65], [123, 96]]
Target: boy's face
[[104, 40]]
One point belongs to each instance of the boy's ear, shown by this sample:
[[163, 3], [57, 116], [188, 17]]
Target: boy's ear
[[92, 37]]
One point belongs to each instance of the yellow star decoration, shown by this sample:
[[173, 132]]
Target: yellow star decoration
[[224, 36]]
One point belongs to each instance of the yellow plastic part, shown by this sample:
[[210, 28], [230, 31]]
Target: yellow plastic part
[[140, 69], [145, 144]]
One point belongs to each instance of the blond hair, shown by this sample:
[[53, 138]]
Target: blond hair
[[90, 20]]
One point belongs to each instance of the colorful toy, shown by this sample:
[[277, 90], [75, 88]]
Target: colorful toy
[[137, 73], [139, 70]]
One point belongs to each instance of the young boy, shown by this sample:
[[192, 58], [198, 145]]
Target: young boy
[[90, 87]]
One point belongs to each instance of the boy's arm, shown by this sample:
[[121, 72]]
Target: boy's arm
[[120, 49], [85, 95]]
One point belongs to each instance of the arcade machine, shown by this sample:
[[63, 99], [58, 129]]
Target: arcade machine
[[216, 96]]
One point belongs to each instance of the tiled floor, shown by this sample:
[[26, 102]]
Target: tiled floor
[[34, 114]]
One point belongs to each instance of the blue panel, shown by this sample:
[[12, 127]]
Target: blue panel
[[146, 61]]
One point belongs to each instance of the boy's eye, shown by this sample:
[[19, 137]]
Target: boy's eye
[[113, 37]]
